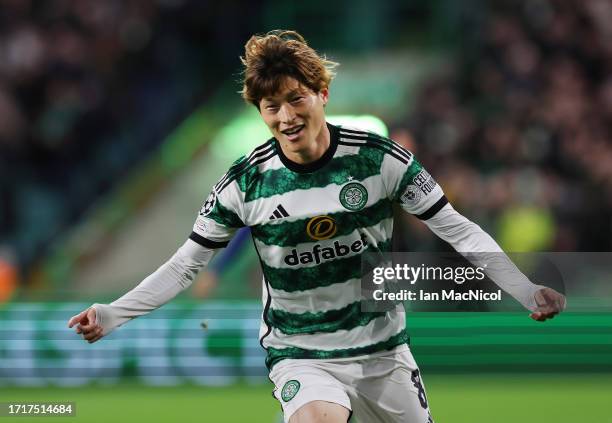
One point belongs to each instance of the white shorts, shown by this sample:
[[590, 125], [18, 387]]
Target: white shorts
[[383, 387]]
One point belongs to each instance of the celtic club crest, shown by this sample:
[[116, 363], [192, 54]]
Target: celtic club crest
[[353, 196], [209, 204], [290, 389]]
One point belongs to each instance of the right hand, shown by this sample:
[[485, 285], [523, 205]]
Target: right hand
[[86, 325], [549, 304]]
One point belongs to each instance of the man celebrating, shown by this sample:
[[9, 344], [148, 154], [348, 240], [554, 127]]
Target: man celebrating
[[316, 197]]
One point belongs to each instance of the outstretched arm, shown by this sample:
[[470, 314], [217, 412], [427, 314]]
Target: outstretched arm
[[157, 289], [216, 223], [467, 237], [409, 184]]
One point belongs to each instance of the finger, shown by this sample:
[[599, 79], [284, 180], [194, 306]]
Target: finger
[[91, 323], [77, 318], [549, 297], [546, 309], [557, 304], [543, 315], [89, 327], [87, 332], [540, 316], [95, 336], [90, 335]]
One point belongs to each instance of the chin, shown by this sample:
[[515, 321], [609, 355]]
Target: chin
[[288, 142]]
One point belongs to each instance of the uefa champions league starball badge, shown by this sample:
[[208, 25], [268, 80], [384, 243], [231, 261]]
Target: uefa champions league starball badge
[[353, 196], [290, 389], [209, 204]]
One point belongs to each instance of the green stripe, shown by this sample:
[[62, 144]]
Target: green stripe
[[277, 354], [325, 274], [246, 179], [345, 318], [289, 234], [414, 168], [281, 181], [225, 216]]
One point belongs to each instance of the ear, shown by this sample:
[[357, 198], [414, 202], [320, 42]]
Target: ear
[[324, 95]]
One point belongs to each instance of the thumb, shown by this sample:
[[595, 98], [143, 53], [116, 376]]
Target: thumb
[[78, 318]]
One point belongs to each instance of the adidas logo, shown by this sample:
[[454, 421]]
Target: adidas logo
[[279, 212]]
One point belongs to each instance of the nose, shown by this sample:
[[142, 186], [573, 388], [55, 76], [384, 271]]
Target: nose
[[286, 113]]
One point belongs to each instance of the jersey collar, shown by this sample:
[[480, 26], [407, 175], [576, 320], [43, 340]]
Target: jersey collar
[[334, 134]]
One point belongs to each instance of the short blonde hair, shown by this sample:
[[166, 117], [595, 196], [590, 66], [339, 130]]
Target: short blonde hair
[[270, 58]]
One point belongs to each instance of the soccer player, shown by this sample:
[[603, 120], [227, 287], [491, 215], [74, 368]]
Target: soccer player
[[316, 197]]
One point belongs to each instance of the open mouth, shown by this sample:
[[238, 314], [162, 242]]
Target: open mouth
[[293, 132]]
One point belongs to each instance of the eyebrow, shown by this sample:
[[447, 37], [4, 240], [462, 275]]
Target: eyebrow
[[289, 94]]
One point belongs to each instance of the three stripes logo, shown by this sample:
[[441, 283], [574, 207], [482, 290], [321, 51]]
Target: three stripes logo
[[279, 213]]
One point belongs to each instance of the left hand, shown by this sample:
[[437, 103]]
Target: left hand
[[550, 303]]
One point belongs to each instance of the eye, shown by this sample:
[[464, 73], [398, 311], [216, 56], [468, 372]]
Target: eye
[[297, 99], [271, 107]]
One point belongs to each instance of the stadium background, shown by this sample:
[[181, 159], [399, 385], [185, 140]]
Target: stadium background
[[116, 117]]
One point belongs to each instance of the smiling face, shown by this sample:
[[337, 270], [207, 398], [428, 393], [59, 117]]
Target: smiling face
[[296, 118]]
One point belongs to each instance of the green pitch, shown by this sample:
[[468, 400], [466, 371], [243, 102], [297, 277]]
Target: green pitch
[[504, 398]]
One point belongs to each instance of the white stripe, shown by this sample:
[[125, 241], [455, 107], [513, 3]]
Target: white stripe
[[346, 150], [350, 132], [378, 330], [355, 141], [274, 163], [332, 297], [303, 203]]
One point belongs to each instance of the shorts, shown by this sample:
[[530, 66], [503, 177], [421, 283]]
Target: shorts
[[384, 387]]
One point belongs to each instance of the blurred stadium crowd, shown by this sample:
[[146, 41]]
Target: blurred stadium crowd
[[518, 130], [87, 89]]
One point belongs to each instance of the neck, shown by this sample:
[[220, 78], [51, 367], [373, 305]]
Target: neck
[[314, 150]]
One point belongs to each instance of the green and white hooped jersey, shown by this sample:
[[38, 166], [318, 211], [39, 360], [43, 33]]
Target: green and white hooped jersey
[[310, 225]]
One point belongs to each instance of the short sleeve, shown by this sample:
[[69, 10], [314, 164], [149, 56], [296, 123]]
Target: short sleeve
[[220, 215], [412, 186]]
